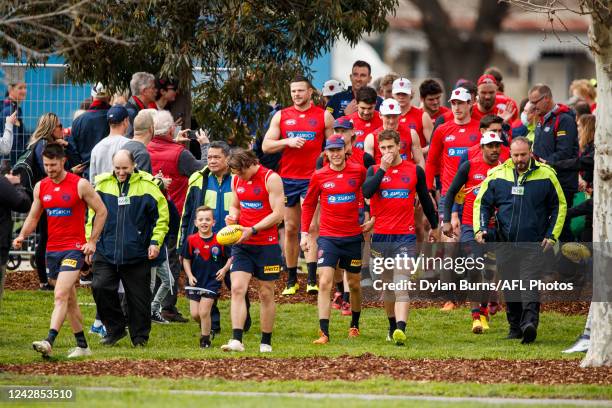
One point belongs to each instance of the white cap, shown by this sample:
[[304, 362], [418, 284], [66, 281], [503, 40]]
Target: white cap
[[332, 87], [490, 137], [390, 107], [402, 85], [99, 90], [460, 94]]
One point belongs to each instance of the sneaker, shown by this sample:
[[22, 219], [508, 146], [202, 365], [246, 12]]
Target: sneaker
[[337, 301], [43, 347], [312, 289], [111, 340], [389, 338], [346, 309], [367, 283], [493, 307], [353, 332], [290, 290], [399, 337], [580, 346], [323, 339], [484, 322], [514, 334], [85, 278], [529, 334], [265, 348], [99, 330], [46, 287], [233, 345], [79, 352], [476, 326], [156, 317], [174, 317], [448, 306], [205, 344]]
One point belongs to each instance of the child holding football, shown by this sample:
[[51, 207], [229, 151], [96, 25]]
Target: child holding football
[[205, 263]]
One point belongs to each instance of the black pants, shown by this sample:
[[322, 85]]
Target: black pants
[[565, 267], [136, 280], [41, 248], [169, 302], [523, 264]]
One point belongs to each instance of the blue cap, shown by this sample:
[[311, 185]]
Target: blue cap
[[343, 123], [335, 142], [116, 114]]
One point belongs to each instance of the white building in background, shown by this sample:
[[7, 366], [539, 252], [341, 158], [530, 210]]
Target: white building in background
[[527, 51]]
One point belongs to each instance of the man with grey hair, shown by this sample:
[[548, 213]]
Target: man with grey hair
[[142, 86], [143, 133], [170, 159]]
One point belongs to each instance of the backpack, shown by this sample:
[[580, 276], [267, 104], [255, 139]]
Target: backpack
[[29, 171]]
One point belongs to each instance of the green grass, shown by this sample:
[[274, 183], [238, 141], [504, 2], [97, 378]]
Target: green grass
[[24, 317], [431, 334]]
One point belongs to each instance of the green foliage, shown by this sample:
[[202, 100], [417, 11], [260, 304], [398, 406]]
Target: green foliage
[[242, 47]]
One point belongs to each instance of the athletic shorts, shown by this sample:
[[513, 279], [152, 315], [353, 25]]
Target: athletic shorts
[[468, 240], [262, 261], [344, 252], [60, 261], [210, 285], [294, 190], [391, 245]]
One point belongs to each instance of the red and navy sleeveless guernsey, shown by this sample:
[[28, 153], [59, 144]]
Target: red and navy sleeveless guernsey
[[448, 143], [255, 205], [310, 126], [65, 213], [362, 128], [405, 144], [393, 203], [413, 119], [206, 254], [477, 174], [339, 193]]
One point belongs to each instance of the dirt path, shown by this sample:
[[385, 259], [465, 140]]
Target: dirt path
[[545, 372]]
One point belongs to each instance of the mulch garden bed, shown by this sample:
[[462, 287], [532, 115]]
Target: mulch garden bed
[[350, 368]]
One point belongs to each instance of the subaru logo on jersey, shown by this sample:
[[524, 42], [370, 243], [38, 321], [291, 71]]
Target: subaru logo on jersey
[[456, 151], [59, 212], [313, 122], [341, 198], [352, 182], [404, 156], [473, 137], [395, 193], [479, 176], [329, 184], [449, 138], [47, 197], [290, 122], [240, 190], [257, 190], [303, 134], [252, 205]]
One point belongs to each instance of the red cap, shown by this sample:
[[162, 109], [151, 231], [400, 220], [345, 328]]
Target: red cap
[[486, 79]]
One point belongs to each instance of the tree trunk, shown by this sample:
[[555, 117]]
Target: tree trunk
[[600, 34]]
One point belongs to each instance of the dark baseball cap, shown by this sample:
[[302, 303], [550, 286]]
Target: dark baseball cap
[[343, 123], [116, 114], [335, 142]]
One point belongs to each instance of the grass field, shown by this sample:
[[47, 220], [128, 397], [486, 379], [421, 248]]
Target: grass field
[[431, 334]]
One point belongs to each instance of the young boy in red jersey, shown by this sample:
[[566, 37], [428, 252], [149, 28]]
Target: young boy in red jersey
[[205, 263]]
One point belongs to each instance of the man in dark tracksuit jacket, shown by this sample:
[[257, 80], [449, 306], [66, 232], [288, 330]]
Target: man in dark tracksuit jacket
[[212, 187], [531, 209], [135, 229], [13, 197]]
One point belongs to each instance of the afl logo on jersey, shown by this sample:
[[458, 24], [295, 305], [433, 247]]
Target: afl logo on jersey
[[386, 179], [449, 138], [479, 176], [290, 122], [329, 185], [240, 190], [47, 197]]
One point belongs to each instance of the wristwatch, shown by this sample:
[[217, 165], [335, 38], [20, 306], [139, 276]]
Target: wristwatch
[[254, 230]]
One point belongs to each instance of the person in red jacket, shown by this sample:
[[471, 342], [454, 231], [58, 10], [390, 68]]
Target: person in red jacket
[[337, 189]]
